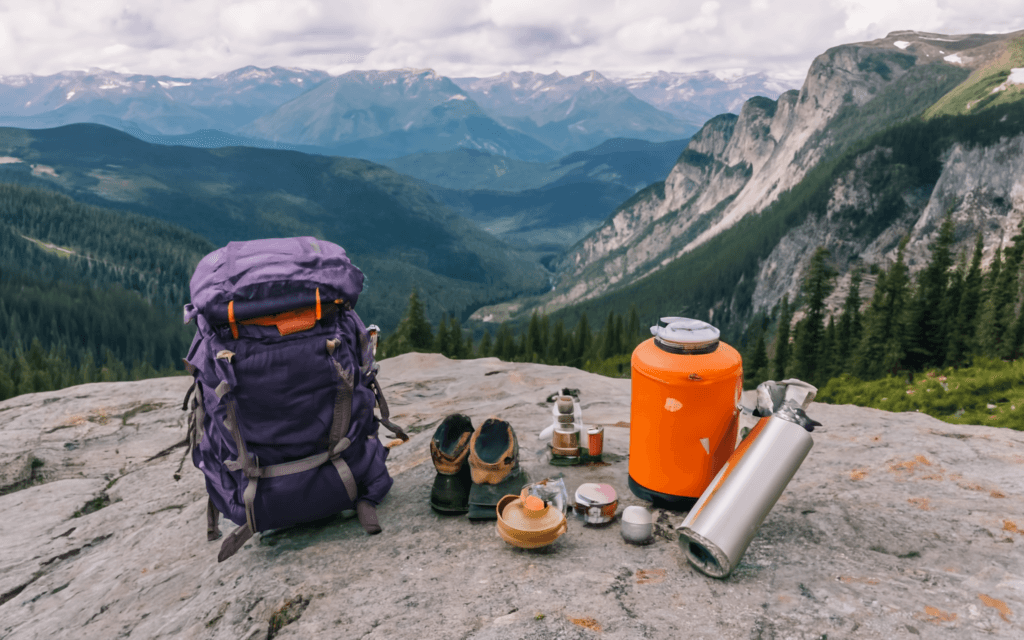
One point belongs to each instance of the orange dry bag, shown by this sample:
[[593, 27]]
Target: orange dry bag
[[684, 411]]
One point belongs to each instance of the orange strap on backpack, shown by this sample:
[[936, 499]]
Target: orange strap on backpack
[[287, 322]]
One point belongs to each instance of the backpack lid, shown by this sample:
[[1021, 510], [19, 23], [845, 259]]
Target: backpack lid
[[271, 268]]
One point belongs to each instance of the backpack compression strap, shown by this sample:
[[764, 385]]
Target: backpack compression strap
[[337, 444], [385, 413]]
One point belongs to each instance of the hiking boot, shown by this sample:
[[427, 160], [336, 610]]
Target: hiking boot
[[494, 468], [449, 449]]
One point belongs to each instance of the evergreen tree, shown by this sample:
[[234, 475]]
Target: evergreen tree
[[442, 341], [504, 346], [757, 371], [882, 348], [87, 369], [963, 340], [849, 328], [607, 337], [545, 339], [1004, 301], [7, 386], [828, 365], [459, 348], [485, 345], [557, 347], [632, 335], [413, 332], [113, 369], [950, 310], [1017, 342], [862, 358], [927, 326], [583, 340], [782, 345], [620, 334], [534, 347], [992, 327], [807, 346]]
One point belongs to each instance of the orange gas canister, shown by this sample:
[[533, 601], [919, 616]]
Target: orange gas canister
[[684, 411]]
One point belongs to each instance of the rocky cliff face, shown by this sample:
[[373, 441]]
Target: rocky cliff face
[[738, 166], [982, 188]]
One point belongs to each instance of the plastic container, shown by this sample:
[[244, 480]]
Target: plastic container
[[637, 525], [684, 411], [596, 503]]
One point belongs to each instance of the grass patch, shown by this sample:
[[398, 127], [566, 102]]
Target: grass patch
[[34, 478], [142, 408], [287, 614], [989, 392], [93, 505], [976, 92]]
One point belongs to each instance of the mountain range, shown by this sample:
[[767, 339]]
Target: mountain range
[[883, 140], [394, 229], [378, 115]]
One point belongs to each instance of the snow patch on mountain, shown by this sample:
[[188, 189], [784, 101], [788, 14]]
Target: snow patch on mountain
[[1016, 76], [954, 58], [902, 44]]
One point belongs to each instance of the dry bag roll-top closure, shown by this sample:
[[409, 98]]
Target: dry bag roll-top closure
[[282, 419]]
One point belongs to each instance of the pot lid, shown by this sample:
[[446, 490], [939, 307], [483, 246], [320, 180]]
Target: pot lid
[[591, 494], [686, 333], [531, 515]]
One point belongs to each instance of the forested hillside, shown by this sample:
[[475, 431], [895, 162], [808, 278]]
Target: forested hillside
[[88, 294]]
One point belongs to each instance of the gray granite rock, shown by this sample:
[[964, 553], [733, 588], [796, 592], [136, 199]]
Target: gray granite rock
[[896, 526]]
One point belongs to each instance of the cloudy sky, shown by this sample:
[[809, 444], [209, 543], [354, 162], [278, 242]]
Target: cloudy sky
[[199, 38]]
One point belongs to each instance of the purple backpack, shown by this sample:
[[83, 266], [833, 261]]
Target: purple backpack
[[282, 422]]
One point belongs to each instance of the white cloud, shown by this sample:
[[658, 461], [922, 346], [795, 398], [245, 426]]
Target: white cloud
[[195, 38]]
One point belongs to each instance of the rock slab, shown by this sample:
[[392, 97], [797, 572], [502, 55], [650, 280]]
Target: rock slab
[[895, 526]]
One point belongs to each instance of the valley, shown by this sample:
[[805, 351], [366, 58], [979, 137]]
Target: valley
[[499, 217]]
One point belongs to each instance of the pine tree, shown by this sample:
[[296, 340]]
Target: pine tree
[[442, 341], [882, 349], [7, 385], [87, 367], [807, 347], [927, 327], [557, 345], [534, 348], [607, 337], [782, 345], [620, 332], [1007, 293], [828, 365], [950, 310], [458, 347], [504, 347], [963, 339], [849, 328], [990, 327], [582, 339], [486, 348], [757, 371], [413, 331], [545, 339], [863, 363], [632, 335]]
